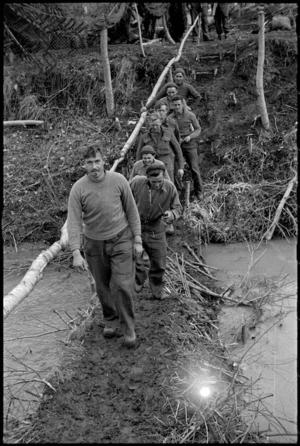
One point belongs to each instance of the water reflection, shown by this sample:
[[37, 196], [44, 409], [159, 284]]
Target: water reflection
[[273, 358]]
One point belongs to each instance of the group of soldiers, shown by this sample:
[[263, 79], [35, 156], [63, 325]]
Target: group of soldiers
[[220, 13], [112, 222]]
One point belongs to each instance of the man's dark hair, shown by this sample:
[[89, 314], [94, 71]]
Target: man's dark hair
[[172, 86], [92, 150], [159, 103], [154, 173], [177, 98]]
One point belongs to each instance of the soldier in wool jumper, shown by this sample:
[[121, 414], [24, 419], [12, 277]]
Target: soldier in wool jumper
[[101, 206]]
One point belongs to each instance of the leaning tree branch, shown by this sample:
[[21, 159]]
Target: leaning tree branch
[[269, 233], [166, 30]]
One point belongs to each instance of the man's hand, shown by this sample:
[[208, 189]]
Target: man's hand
[[79, 262], [137, 249], [180, 173], [168, 217], [186, 139]]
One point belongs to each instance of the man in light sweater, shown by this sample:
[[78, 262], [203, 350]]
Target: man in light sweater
[[101, 206]]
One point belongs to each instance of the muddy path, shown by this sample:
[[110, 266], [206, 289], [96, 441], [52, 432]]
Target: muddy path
[[107, 393]]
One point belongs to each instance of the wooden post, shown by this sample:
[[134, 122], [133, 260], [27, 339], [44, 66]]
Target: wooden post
[[166, 30], [260, 70], [140, 32], [110, 106]]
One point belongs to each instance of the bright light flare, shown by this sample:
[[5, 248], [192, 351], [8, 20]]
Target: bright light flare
[[205, 392]]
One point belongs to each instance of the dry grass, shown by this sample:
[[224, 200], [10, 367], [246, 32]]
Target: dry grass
[[241, 200]]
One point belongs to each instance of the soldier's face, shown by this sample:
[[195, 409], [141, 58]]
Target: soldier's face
[[155, 126], [178, 78], [147, 158], [157, 182], [163, 111], [94, 167], [178, 106], [171, 92]]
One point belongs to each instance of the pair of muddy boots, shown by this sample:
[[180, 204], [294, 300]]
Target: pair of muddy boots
[[110, 331]]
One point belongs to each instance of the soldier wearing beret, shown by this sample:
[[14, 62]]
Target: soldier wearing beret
[[148, 157], [157, 201]]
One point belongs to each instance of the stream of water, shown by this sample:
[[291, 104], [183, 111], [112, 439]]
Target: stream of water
[[273, 358]]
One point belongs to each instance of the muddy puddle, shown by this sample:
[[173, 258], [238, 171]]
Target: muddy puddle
[[32, 352], [269, 347], [34, 331]]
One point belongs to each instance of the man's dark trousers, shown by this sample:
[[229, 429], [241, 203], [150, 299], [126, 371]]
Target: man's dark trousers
[[189, 150], [112, 266], [155, 245]]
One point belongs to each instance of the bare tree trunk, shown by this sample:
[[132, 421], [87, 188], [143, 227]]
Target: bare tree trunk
[[260, 72], [166, 30], [110, 106], [140, 32]]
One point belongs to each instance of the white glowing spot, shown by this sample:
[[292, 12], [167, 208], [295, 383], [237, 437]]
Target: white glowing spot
[[205, 392]]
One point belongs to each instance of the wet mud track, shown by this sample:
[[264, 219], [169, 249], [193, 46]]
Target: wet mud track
[[115, 394]]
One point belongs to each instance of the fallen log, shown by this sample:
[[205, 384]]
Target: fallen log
[[34, 274], [22, 123]]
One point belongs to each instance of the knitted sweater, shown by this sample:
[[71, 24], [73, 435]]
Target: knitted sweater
[[104, 208]]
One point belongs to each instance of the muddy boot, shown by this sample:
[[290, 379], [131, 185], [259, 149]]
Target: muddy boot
[[110, 328], [138, 287], [130, 340]]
